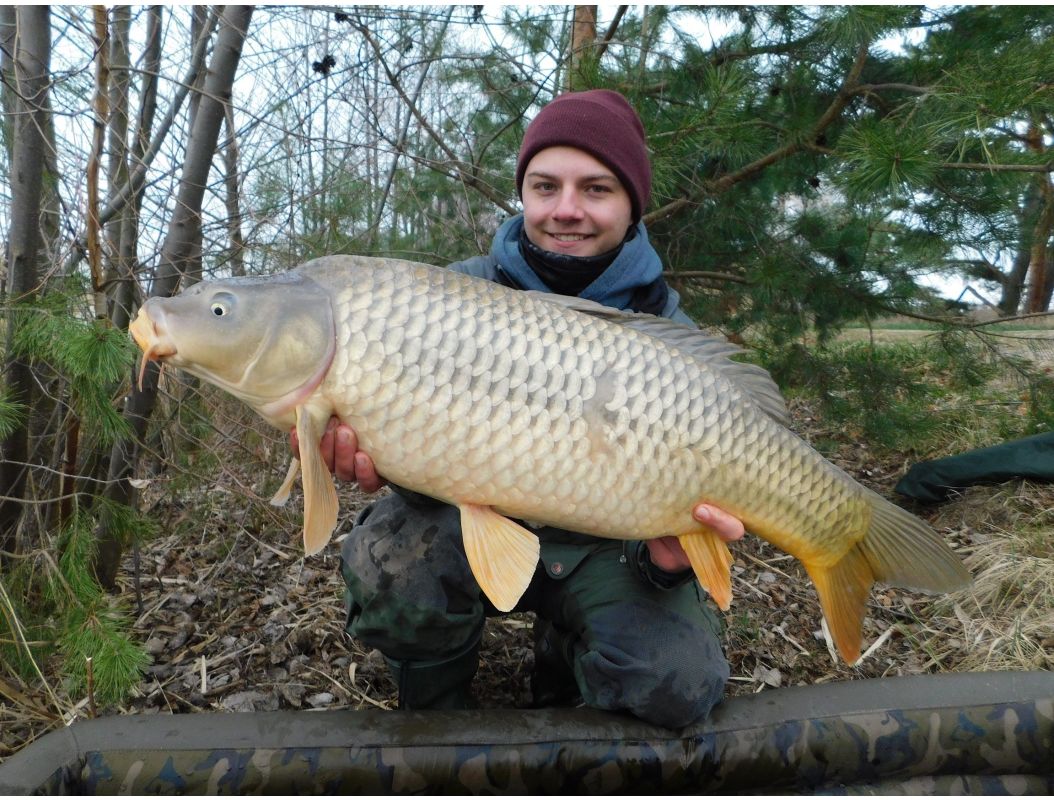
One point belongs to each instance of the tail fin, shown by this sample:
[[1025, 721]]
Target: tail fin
[[843, 589], [898, 549], [902, 550]]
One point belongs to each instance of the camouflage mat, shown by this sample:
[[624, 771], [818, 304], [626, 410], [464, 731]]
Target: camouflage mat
[[971, 733]]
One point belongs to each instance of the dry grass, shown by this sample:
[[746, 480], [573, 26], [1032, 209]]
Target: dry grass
[[1007, 620]]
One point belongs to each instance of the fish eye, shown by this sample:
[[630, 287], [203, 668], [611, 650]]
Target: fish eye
[[222, 304]]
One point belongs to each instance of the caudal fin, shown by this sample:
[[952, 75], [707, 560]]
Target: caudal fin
[[843, 590], [902, 550], [899, 549]]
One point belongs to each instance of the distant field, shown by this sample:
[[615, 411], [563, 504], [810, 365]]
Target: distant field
[[1033, 339], [907, 323]]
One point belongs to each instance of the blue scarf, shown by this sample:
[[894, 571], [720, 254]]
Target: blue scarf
[[637, 265]]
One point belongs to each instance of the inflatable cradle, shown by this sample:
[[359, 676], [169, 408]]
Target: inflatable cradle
[[969, 733]]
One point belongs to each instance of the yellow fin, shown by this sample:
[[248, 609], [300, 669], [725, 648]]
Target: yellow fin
[[320, 496], [712, 563], [502, 554], [843, 589], [282, 495]]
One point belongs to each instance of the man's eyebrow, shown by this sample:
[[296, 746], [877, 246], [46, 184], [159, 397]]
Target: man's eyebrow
[[602, 176]]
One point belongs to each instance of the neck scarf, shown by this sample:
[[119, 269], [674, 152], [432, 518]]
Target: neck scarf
[[632, 279]]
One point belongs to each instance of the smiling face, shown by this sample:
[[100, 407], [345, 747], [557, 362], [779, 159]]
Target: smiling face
[[573, 204]]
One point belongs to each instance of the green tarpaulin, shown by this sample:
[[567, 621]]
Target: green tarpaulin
[[933, 481]]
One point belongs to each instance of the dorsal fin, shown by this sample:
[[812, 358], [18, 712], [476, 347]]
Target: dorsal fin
[[714, 351]]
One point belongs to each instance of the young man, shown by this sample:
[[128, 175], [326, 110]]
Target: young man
[[623, 625]]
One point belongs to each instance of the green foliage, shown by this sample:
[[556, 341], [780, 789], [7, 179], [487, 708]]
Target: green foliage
[[918, 397], [881, 392], [12, 414], [92, 356], [883, 156], [99, 631], [55, 606]]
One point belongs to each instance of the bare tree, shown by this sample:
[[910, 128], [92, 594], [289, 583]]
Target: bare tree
[[182, 244], [30, 71]]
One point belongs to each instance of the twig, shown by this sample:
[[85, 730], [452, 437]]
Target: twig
[[610, 32], [92, 710], [790, 639], [881, 640]]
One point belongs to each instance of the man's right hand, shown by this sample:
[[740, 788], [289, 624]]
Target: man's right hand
[[340, 451]]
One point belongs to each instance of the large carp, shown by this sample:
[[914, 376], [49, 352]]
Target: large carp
[[542, 408]]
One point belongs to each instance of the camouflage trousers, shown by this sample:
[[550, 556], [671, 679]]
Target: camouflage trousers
[[634, 647]]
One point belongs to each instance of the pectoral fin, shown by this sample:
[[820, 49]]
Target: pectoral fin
[[320, 496], [282, 495], [712, 563], [502, 554], [843, 590]]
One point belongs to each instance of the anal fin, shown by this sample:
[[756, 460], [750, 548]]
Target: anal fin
[[502, 554], [844, 588], [712, 563], [320, 495], [282, 495]]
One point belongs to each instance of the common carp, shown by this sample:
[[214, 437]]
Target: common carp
[[542, 408]]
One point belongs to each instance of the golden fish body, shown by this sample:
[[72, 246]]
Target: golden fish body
[[518, 404]]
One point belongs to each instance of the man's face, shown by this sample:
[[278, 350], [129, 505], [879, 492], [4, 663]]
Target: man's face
[[573, 204]]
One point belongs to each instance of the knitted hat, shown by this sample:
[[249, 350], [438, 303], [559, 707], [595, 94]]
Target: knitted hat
[[602, 123]]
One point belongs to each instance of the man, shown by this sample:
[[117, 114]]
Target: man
[[623, 625]]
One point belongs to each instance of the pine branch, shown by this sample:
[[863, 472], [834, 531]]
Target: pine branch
[[726, 182]]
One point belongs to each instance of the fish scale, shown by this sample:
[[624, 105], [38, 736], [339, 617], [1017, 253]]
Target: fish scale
[[548, 409]]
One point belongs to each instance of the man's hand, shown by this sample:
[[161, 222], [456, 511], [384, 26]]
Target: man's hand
[[667, 554], [340, 451]]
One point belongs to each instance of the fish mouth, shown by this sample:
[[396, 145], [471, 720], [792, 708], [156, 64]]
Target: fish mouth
[[153, 342]]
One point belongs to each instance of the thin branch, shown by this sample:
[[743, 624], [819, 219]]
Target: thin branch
[[401, 144], [1015, 318], [135, 183], [610, 32], [998, 167], [716, 276], [864, 88], [466, 175]]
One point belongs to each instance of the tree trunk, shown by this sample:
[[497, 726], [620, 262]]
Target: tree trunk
[[1038, 267], [127, 262], [8, 29], [583, 42], [100, 124], [1014, 285], [234, 210], [30, 70], [117, 170], [181, 245]]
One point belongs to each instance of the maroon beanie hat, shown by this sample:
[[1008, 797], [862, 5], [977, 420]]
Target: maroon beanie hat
[[602, 123]]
